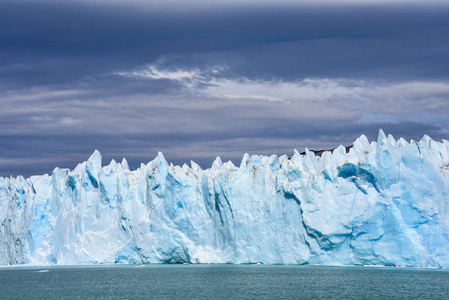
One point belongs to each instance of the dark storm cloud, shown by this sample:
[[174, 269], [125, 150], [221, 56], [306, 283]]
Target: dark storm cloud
[[136, 126], [131, 79], [52, 42], [66, 151]]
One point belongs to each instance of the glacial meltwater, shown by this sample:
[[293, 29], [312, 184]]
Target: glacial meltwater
[[222, 282]]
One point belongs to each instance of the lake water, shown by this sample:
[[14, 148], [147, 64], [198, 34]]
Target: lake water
[[222, 282]]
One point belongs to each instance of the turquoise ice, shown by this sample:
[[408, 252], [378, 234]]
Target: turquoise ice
[[383, 203]]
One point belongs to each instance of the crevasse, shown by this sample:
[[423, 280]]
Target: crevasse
[[383, 203]]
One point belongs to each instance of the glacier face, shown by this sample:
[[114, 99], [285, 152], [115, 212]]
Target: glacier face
[[383, 203]]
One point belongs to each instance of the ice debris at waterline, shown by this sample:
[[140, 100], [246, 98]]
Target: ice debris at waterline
[[383, 203]]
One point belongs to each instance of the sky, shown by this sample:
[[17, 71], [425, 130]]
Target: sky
[[197, 79]]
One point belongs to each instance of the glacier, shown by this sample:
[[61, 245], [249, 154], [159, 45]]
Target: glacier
[[384, 202]]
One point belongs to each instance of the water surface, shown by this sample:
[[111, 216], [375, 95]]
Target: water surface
[[222, 282]]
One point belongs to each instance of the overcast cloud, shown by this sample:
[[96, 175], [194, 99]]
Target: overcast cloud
[[197, 81]]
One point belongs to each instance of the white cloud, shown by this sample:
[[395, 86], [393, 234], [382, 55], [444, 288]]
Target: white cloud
[[36, 94], [152, 72], [317, 90], [361, 96]]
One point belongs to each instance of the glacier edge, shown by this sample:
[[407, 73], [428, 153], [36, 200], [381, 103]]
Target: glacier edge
[[383, 203]]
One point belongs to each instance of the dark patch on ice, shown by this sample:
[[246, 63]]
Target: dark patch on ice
[[320, 152]]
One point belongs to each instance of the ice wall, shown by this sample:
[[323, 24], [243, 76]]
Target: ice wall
[[383, 203]]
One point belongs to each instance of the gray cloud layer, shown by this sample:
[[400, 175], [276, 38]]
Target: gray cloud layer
[[133, 80]]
